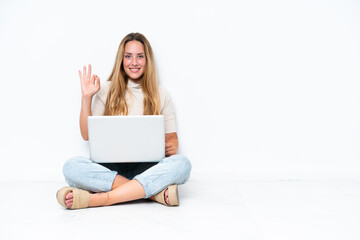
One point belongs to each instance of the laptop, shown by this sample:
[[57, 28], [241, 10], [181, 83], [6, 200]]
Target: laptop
[[124, 139]]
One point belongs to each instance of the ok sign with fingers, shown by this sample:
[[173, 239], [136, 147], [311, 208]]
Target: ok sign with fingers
[[90, 84]]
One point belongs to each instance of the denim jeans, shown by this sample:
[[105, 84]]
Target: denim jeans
[[81, 172]]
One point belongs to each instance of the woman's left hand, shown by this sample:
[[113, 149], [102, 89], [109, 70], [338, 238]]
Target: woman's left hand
[[171, 144]]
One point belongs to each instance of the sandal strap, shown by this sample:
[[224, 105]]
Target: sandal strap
[[81, 199], [160, 197]]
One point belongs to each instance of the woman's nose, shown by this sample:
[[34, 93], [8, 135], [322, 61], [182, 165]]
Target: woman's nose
[[134, 60]]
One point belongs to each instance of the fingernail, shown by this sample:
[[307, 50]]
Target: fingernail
[[66, 202]]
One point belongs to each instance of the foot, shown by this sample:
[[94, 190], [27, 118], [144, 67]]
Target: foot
[[96, 199], [166, 197]]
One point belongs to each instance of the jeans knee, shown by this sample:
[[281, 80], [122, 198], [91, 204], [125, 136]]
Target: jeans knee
[[71, 167], [183, 165]]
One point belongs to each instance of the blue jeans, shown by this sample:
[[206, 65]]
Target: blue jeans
[[83, 173]]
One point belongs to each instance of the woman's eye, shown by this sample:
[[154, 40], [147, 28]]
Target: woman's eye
[[127, 56], [141, 56]]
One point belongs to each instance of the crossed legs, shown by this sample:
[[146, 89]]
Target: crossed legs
[[107, 187], [123, 190]]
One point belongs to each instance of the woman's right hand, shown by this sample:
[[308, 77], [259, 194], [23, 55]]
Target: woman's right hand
[[90, 84]]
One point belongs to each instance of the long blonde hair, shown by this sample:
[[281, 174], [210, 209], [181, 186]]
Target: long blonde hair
[[115, 101]]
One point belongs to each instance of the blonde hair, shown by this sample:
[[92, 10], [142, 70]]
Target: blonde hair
[[115, 101]]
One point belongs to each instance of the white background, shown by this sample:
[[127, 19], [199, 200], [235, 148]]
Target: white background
[[263, 89]]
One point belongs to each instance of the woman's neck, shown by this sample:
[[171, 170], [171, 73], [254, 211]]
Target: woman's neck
[[136, 81]]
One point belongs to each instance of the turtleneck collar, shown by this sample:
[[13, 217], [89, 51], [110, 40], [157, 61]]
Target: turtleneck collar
[[134, 86]]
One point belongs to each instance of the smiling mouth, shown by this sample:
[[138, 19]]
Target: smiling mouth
[[134, 70]]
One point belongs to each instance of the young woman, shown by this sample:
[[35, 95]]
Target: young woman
[[132, 89]]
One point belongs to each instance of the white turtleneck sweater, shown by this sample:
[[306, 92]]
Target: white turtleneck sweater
[[135, 103]]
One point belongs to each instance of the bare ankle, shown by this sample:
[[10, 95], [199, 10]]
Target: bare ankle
[[99, 199], [107, 199]]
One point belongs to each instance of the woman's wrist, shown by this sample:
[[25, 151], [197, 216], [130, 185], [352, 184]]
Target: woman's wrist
[[86, 100]]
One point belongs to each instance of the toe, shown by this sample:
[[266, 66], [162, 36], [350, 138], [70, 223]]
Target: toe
[[69, 195], [69, 203], [69, 199], [167, 197]]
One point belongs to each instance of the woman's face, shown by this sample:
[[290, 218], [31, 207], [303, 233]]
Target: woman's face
[[134, 61]]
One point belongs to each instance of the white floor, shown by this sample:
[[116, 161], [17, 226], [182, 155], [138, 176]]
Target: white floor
[[210, 209]]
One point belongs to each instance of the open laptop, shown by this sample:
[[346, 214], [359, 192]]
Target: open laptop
[[126, 138]]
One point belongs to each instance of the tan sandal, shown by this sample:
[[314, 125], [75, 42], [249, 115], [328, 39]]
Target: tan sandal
[[80, 197], [173, 196]]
